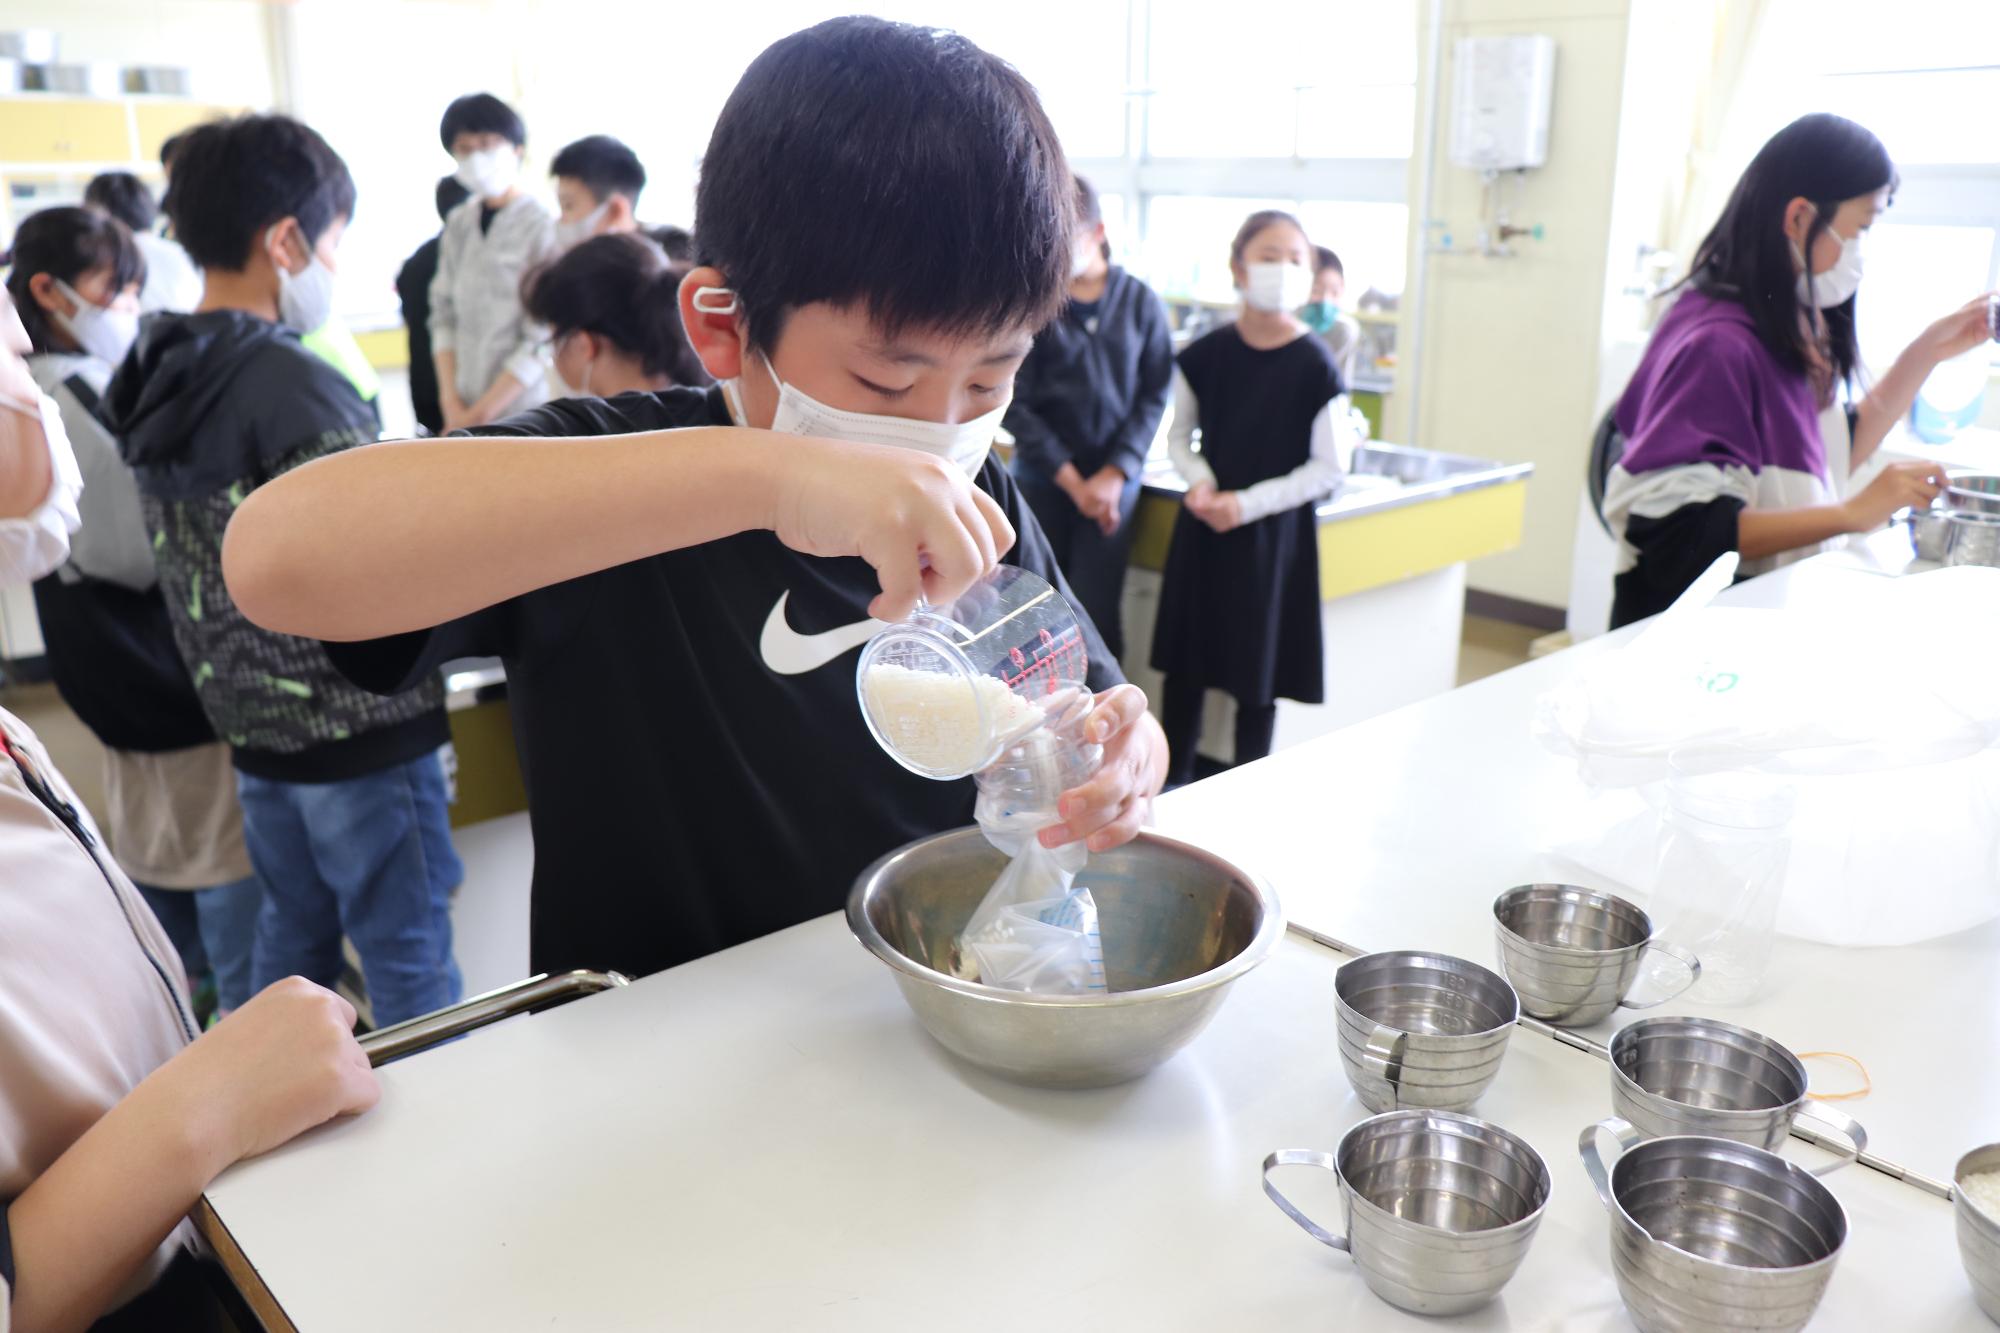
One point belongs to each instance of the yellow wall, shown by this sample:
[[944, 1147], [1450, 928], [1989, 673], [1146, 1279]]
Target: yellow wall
[[225, 42], [1510, 348]]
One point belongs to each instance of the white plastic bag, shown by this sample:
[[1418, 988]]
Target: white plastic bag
[[1034, 930], [1879, 704], [1899, 674]]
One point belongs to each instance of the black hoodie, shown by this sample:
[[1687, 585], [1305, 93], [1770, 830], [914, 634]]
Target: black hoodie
[[208, 407]]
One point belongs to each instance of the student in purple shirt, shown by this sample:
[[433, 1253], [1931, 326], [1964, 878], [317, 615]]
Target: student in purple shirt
[[1722, 418]]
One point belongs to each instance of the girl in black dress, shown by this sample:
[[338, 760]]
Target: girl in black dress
[[1254, 436]]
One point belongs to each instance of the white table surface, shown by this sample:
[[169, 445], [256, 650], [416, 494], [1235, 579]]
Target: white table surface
[[1399, 833], [765, 1139], [710, 1150]]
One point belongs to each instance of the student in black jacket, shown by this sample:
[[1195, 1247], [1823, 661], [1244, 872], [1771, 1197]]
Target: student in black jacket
[[413, 289], [343, 794], [1087, 404]]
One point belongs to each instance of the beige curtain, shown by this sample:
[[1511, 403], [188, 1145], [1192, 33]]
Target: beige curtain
[[1731, 112]]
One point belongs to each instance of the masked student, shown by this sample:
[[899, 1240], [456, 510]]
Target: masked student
[[114, 1117], [486, 351], [172, 281], [1325, 314], [172, 818], [413, 293], [598, 183], [612, 308], [343, 795], [1087, 405], [1239, 599], [679, 581], [1725, 449]]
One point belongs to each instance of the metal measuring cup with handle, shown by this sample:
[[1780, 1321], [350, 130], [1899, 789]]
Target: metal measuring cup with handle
[[1698, 1076], [1573, 953], [1713, 1234], [1440, 1207], [1421, 1029]]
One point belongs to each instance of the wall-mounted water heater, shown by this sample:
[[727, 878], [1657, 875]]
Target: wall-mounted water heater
[[1500, 107]]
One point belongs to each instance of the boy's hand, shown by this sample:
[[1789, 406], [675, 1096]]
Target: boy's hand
[[928, 531], [281, 1064], [1109, 809]]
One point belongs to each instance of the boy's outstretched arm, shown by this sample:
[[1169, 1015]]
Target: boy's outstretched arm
[[405, 536]]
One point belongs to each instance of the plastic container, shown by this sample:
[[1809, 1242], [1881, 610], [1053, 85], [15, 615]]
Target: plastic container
[[1951, 397], [1723, 856], [993, 686], [952, 689]]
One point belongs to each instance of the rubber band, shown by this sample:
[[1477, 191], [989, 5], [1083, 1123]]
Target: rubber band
[[1867, 1084]]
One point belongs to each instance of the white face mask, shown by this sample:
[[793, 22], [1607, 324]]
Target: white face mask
[[100, 331], [965, 443], [1086, 254], [572, 233], [34, 544], [1837, 284], [305, 300], [489, 171], [1277, 287]]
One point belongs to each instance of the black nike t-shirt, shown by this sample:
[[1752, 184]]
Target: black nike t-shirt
[[698, 770]]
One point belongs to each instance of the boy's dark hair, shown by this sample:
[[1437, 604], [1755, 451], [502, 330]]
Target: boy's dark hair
[[678, 242], [622, 287], [170, 147], [450, 194], [481, 113], [124, 196], [67, 243], [603, 165], [1262, 219], [234, 178], [1324, 259], [897, 167], [1746, 257]]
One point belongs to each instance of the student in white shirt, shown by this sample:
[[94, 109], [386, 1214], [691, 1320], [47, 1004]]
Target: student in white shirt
[[488, 353]]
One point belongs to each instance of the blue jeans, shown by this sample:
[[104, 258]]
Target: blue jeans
[[1093, 563], [370, 857], [212, 930]]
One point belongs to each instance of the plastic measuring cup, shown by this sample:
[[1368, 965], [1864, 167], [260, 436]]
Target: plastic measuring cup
[[951, 690]]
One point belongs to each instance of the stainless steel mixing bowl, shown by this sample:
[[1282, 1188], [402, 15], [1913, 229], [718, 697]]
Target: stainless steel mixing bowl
[[1179, 924], [1930, 529], [1971, 538], [1975, 491]]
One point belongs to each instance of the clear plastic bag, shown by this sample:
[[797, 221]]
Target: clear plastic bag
[[1034, 930], [1876, 705]]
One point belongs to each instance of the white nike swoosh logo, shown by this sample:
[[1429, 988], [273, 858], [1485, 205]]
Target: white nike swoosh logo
[[790, 653]]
